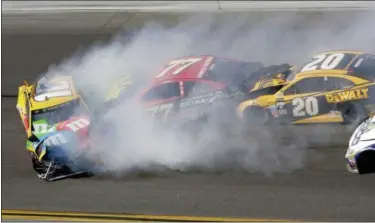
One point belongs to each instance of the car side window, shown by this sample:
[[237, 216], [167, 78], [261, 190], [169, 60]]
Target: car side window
[[194, 88], [337, 83], [364, 67], [162, 92], [307, 85]]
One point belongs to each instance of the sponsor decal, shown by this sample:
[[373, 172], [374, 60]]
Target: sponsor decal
[[281, 108], [347, 95], [357, 135], [204, 99], [205, 67], [41, 128]]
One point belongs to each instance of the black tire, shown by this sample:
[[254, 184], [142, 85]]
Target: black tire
[[353, 114], [366, 162], [255, 116]]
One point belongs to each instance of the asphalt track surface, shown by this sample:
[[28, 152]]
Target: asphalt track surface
[[322, 191]]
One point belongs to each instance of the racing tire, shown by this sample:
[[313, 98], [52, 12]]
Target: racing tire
[[366, 162], [255, 116], [353, 114]]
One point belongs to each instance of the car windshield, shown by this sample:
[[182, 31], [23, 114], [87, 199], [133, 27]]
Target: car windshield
[[59, 113]]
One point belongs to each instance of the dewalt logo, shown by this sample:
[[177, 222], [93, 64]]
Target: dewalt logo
[[347, 95]]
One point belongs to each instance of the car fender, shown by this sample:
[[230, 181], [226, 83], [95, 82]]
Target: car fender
[[363, 139]]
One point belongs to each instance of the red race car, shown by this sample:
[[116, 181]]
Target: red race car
[[193, 87], [196, 87]]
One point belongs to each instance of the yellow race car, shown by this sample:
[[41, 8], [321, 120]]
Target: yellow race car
[[51, 99], [334, 87], [58, 119], [53, 115]]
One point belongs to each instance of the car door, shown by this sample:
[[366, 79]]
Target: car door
[[199, 97], [162, 100], [338, 88], [305, 101]]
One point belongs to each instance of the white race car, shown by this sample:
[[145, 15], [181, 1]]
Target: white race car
[[360, 156]]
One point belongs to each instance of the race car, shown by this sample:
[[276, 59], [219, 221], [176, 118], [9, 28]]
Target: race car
[[56, 122], [333, 87], [196, 87], [360, 156]]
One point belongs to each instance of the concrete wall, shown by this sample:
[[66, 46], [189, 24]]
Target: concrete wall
[[36, 36]]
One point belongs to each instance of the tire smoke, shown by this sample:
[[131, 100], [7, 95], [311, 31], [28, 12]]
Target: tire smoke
[[134, 142]]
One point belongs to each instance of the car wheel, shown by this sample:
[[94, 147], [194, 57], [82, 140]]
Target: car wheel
[[255, 116], [353, 114], [365, 162]]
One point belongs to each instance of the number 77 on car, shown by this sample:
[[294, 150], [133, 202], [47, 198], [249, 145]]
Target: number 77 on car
[[332, 87]]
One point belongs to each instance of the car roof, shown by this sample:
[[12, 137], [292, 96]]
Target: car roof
[[38, 101], [313, 73], [356, 52], [298, 73], [198, 68], [331, 73]]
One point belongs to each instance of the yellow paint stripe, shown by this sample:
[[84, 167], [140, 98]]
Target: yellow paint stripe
[[343, 51], [43, 218], [72, 216], [326, 118]]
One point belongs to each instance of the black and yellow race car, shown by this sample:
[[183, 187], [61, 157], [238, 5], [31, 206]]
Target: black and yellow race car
[[333, 87]]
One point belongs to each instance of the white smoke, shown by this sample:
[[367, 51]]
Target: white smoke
[[139, 144]]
